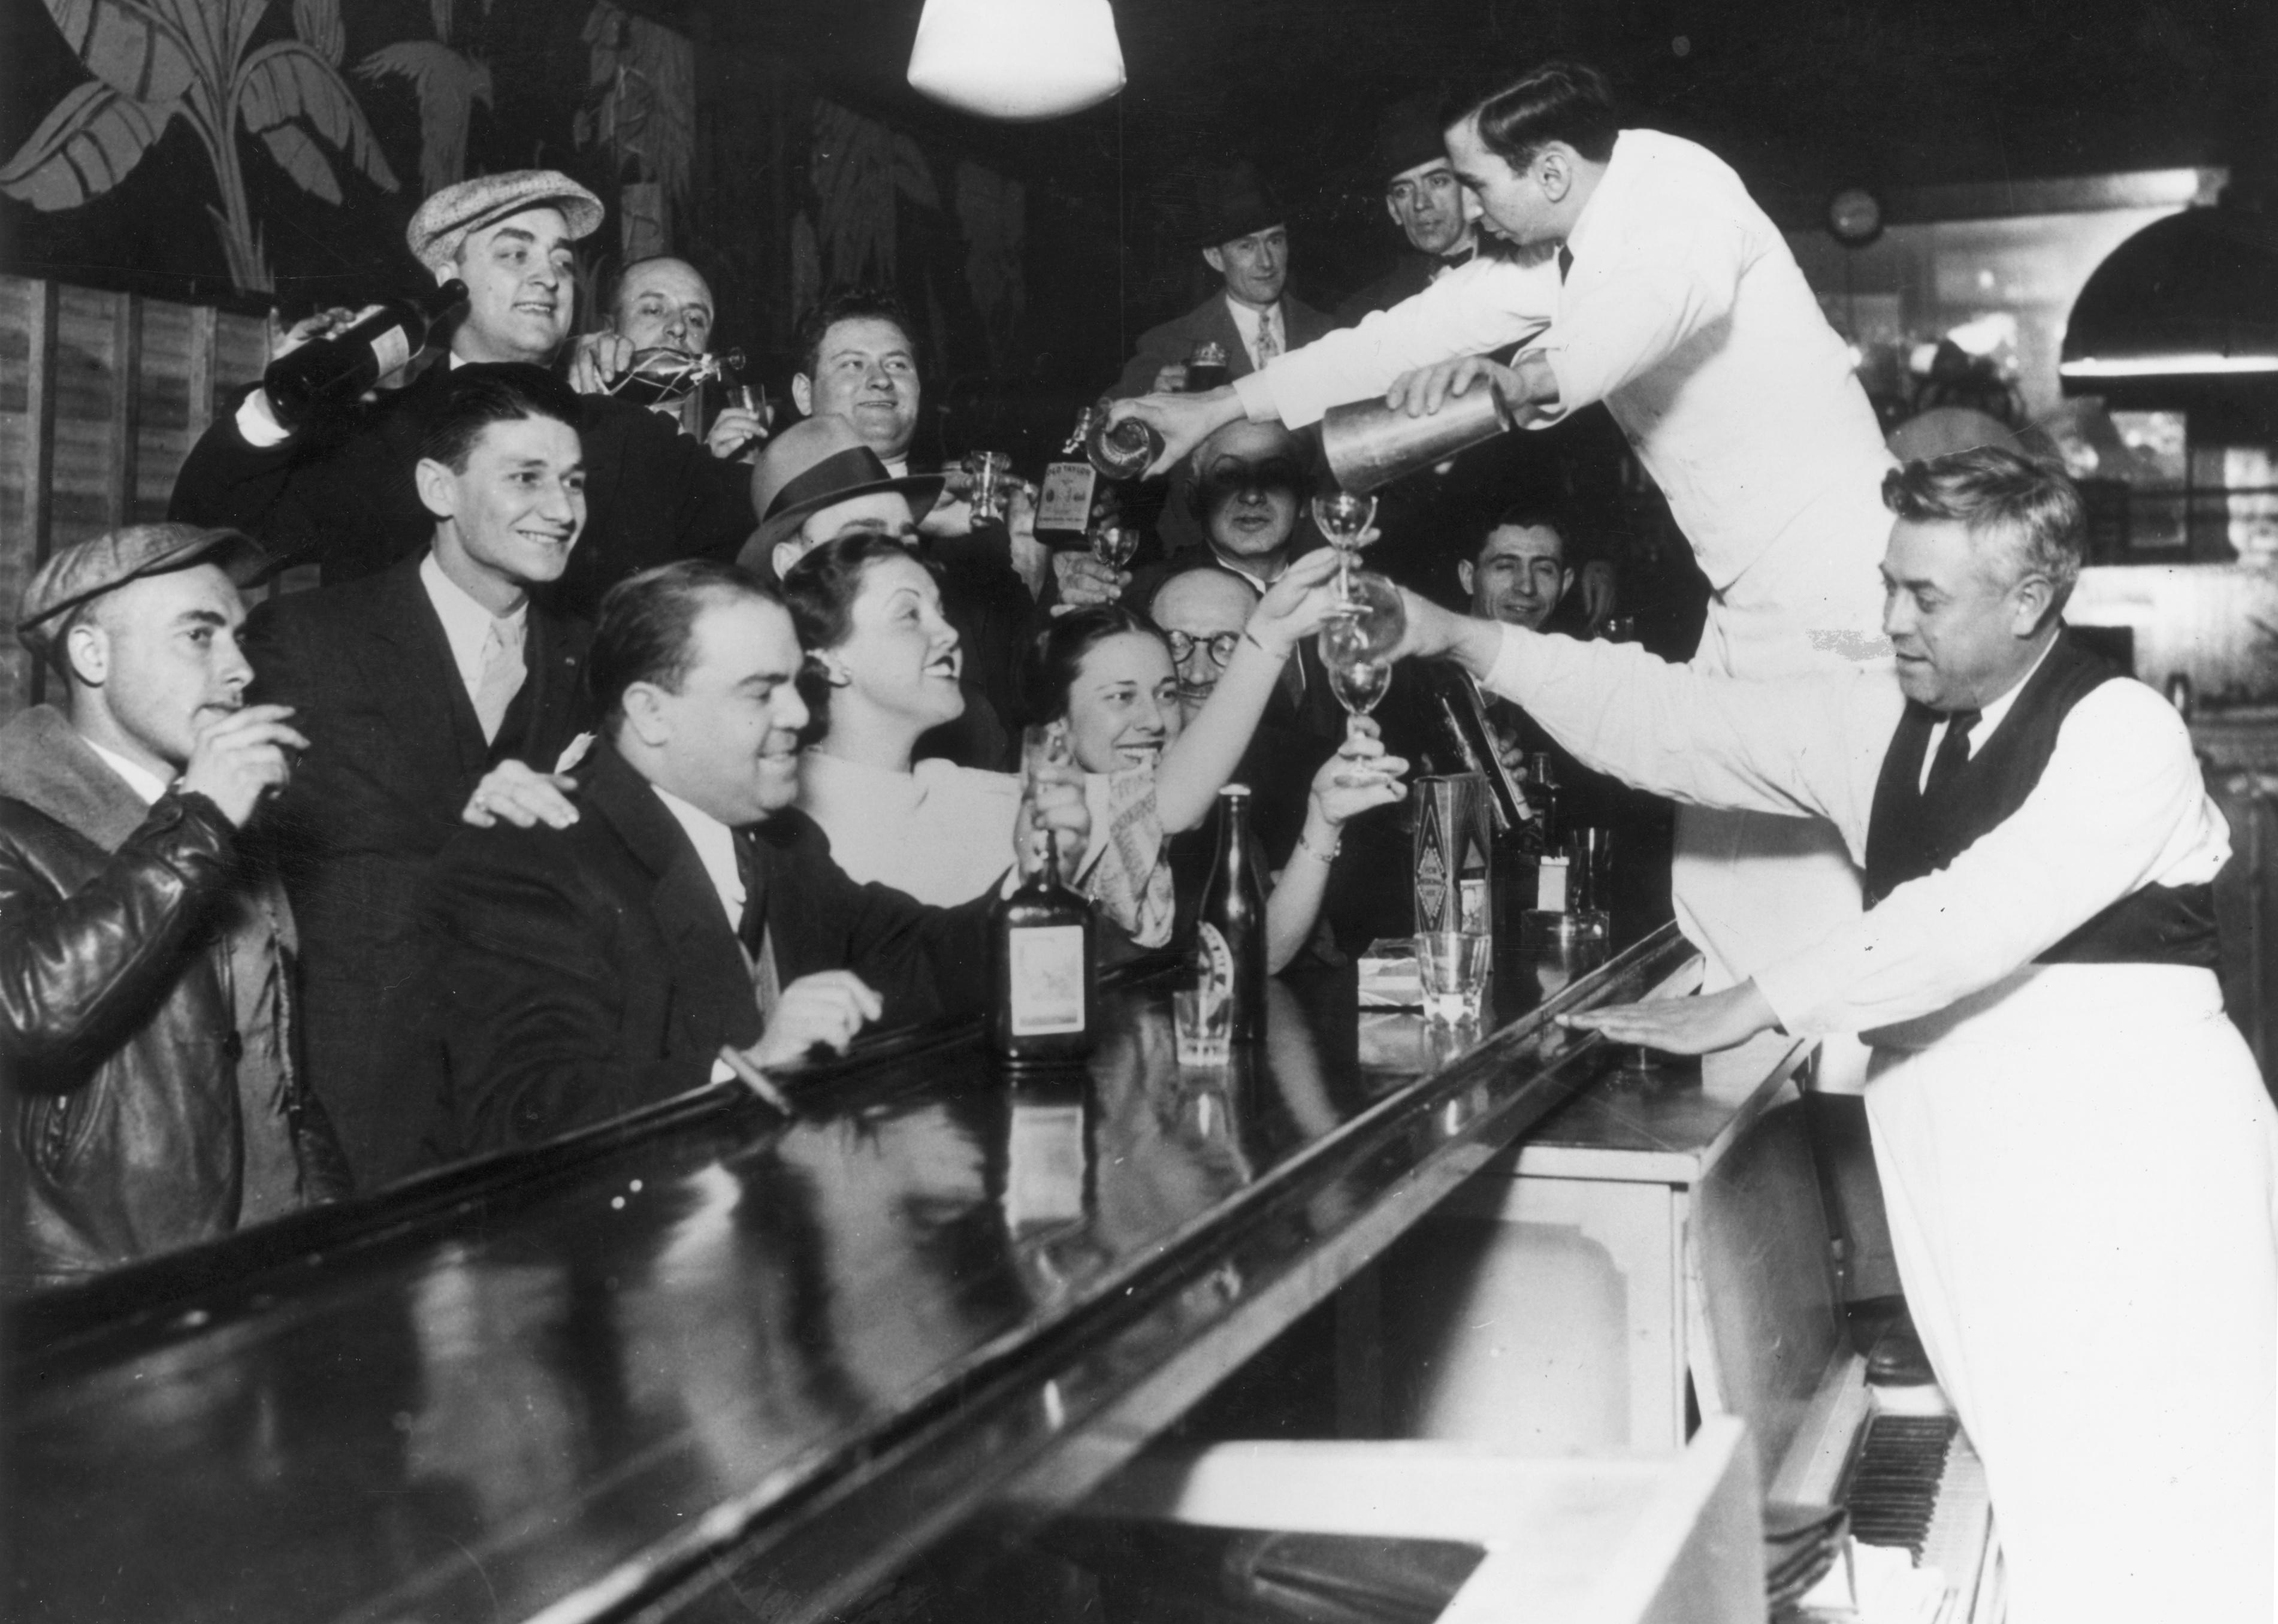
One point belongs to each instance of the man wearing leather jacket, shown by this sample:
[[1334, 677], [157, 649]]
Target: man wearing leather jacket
[[153, 1098]]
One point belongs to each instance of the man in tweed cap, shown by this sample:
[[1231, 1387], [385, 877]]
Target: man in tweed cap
[[154, 1097], [341, 493]]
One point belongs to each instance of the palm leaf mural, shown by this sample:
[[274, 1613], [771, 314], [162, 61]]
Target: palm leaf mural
[[447, 85], [853, 165], [154, 61], [87, 144]]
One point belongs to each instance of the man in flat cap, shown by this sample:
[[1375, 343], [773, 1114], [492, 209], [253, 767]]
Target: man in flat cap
[[1239, 227], [1426, 201], [153, 1097], [341, 492]]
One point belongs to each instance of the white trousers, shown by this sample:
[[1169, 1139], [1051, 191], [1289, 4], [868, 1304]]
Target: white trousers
[[2083, 1211], [1748, 888]]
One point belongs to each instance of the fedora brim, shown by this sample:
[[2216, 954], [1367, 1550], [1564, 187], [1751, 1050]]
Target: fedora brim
[[758, 553]]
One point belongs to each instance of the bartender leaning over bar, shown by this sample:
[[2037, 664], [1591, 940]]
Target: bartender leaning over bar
[[2076, 1152], [1640, 273]]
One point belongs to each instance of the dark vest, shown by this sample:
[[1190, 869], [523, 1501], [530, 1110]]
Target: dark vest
[[1910, 835]]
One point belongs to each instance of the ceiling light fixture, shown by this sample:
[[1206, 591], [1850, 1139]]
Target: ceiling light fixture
[[2167, 366], [1018, 59]]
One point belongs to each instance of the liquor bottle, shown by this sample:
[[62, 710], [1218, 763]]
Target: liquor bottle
[[1231, 929], [664, 376], [1120, 451], [1542, 785], [337, 370], [1455, 704], [1043, 958]]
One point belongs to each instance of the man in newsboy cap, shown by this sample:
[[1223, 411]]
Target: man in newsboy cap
[[146, 972], [340, 491]]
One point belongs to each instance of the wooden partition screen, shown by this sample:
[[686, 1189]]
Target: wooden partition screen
[[102, 395]]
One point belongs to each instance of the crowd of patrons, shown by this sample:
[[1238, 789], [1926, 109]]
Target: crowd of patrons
[[621, 751]]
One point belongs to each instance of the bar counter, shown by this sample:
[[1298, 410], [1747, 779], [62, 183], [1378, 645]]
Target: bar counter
[[709, 1359]]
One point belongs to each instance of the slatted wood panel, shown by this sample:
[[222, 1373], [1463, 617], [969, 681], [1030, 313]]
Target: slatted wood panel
[[102, 396]]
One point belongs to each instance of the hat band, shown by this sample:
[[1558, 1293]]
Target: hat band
[[841, 470]]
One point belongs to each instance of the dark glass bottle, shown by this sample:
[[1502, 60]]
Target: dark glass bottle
[[1231, 928], [1043, 960], [1542, 792], [1464, 724], [334, 371]]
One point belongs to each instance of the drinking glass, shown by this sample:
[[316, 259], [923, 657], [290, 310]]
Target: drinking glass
[[1363, 627], [1453, 967], [991, 474], [1342, 517], [1112, 544]]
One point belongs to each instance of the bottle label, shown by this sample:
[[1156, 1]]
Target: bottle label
[[1047, 976], [391, 350], [1430, 874], [1551, 892], [1209, 943], [1064, 502]]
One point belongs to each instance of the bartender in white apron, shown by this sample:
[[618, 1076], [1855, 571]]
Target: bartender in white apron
[[2079, 1160], [1655, 284]]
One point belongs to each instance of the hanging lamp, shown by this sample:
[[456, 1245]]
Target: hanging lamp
[[1017, 60]]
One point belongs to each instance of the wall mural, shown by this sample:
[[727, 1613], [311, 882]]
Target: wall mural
[[156, 62]]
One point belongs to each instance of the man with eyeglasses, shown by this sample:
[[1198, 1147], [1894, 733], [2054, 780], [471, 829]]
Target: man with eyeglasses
[[1202, 612]]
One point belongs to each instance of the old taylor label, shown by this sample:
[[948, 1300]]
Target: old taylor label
[[1047, 977]]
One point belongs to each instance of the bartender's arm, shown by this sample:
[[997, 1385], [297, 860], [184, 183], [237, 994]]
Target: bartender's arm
[[1614, 325], [1486, 305], [2122, 804]]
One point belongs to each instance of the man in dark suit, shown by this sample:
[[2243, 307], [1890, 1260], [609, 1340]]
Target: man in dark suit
[[690, 925], [339, 490], [1241, 233], [433, 691], [1426, 201]]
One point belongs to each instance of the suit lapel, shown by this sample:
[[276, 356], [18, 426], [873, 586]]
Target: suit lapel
[[553, 658], [708, 971], [434, 701]]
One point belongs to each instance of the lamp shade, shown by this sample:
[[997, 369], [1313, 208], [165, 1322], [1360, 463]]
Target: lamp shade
[[1017, 59]]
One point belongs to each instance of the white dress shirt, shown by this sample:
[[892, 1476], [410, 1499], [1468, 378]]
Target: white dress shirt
[[467, 624], [1250, 321], [1684, 311], [139, 779], [2121, 805]]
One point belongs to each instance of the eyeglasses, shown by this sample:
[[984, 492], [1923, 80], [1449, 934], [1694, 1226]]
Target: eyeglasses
[[1222, 646]]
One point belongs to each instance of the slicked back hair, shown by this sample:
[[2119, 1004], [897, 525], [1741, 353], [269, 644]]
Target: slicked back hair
[[1561, 101], [847, 304], [482, 393], [1531, 513], [1054, 656], [2022, 504], [646, 632]]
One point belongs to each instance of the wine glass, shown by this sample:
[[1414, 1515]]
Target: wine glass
[[1344, 518], [1357, 644], [1112, 544]]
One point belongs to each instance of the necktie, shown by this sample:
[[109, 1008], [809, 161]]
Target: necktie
[[1269, 333], [1953, 752], [752, 929], [501, 680], [1565, 261]]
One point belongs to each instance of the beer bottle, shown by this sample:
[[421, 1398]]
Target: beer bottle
[[1231, 930], [336, 370], [1043, 958]]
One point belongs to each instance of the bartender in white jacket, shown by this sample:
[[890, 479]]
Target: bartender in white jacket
[[2076, 1151], [1657, 284]]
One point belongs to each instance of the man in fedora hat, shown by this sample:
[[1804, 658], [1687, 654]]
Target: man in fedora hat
[[1241, 232], [1424, 199], [342, 492], [146, 973], [820, 478]]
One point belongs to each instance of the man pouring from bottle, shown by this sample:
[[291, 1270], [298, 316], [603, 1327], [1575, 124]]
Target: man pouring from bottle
[[1643, 275]]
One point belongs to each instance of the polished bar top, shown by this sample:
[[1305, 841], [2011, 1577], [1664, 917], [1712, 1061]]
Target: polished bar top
[[708, 1353]]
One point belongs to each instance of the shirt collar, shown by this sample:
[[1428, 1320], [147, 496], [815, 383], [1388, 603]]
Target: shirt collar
[[1241, 566], [139, 779], [1246, 320], [1610, 184], [715, 850], [1989, 717], [466, 623]]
